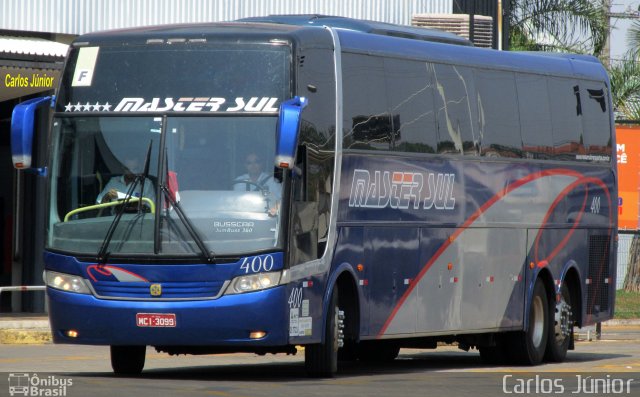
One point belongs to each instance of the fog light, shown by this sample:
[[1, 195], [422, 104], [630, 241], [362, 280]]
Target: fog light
[[257, 335], [72, 333]]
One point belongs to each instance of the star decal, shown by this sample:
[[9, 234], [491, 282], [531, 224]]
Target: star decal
[[87, 107]]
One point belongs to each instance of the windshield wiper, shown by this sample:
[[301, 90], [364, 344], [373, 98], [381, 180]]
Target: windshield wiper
[[103, 255], [145, 175], [208, 255]]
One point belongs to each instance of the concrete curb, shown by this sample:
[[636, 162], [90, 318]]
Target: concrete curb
[[30, 323], [621, 322]]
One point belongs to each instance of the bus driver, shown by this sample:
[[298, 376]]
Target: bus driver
[[118, 186], [257, 180]]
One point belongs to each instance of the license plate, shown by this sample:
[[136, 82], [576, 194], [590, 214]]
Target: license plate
[[155, 319]]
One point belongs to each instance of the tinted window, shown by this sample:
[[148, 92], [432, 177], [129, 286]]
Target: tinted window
[[535, 116], [565, 107], [210, 75], [411, 94], [316, 82], [498, 114], [456, 109], [367, 123], [595, 120]]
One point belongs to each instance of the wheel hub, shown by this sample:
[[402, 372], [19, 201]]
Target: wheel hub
[[339, 329], [563, 319]]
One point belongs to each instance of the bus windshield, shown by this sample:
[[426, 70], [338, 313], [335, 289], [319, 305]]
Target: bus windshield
[[219, 170], [180, 122]]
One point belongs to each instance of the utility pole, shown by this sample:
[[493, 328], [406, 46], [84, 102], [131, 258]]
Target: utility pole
[[606, 49], [628, 14]]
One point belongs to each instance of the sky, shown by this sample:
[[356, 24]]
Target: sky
[[619, 26]]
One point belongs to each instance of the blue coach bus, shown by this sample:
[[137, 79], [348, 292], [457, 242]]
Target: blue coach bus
[[349, 186]]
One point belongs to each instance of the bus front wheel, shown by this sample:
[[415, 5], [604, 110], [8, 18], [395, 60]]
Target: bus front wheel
[[128, 360], [321, 359]]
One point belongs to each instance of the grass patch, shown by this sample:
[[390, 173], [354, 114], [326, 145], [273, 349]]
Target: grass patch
[[627, 305]]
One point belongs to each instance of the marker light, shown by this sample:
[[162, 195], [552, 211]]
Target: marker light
[[66, 282], [257, 335], [72, 333], [253, 282]]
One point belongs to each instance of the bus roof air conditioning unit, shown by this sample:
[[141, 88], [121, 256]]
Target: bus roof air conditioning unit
[[459, 24]]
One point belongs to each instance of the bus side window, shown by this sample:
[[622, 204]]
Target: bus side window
[[565, 111], [304, 213], [299, 175], [595, 119], [410, 90], [457, 112], [535, 116], [367, 121], [498, 114], [315, 155]]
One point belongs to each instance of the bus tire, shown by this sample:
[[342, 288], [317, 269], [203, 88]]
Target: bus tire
[[561, 320], [128, 360], [528, 347], [321, 359]]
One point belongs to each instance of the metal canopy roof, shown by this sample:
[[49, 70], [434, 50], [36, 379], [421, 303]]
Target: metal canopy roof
[[29, 65], [30, 46]]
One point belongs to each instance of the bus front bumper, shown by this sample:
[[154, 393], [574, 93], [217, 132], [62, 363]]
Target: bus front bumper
[[226, 321]]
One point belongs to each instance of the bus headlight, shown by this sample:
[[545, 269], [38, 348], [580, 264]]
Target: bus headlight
[[253, 282], [66, 282]]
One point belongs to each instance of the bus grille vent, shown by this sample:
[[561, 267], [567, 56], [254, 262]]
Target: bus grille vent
[[598, 281]]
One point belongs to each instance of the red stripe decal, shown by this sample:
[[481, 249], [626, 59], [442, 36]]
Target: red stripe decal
[[520, 182]]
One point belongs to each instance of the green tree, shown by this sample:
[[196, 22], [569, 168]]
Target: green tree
[[625, 87], [557, 25], [633, 37], [625, 78]]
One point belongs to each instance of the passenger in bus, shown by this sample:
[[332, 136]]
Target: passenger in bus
[[118, 186], [257, 180]]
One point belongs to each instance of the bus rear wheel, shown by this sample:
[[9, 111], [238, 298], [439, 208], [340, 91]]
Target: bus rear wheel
[[560, 327], [321, 359], [128, 360], [528, 346]]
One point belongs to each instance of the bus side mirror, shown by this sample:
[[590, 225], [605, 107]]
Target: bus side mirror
[[288, 130], [22, 129]]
